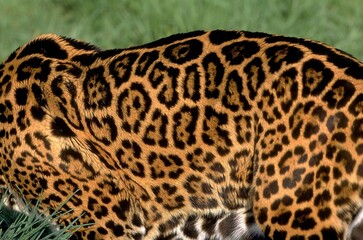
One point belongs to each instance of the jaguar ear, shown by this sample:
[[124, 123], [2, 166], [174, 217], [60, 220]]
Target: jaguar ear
[[55, 46]]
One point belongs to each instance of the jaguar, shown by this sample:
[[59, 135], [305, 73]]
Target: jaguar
[[202, 135]]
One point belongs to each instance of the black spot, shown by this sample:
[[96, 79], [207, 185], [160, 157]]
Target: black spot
[[137, 236], [297, 174], [339, 137], [170, 224], [6, 116], [97, 93], [220, 36], [61, 129], [237, 52], [221, 139], [120, 68], [101, 212], [122, 209], [319, 113], [183, 52], [55, 86], [85, 59], [308, 179], [360, 170], [315, 77], [270, 170], [287, 201], [304, 195], [302, 220], [38, 95], [262, 215], [191, 83], [116, 229], [314, 237], [136, 220], [288, 183], [345, 158], [145, 62], [207, 188], [47, 47], [310, 129], [316, 159], [233, 98], [102, 230], [337, 173], [21, 96], [286, 88], [352, 67], [70, 157], [337, 121], [330, 233], [132, 148], [280, 54], [203, 202], [339, 94], [357, 129], [171, 162], [214, 72], [275, 205], [323, 198], [298, 237], [356, 107], [43, 138], [341, 59], [271, 189], [104, 129], [282, 219], [55, 198], [323, 138], [155, 132], [159, 74], [283, 166], [279, 234], [132, 106], [324, 213], [359, 149], [92, 203], [296, 122], [25, 71], [37, 113], [168, 94]]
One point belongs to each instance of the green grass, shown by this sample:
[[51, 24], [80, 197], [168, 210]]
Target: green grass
[[124, 23], [28, 225]]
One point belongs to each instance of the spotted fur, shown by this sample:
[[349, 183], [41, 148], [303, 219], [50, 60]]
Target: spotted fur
[[203, 135]]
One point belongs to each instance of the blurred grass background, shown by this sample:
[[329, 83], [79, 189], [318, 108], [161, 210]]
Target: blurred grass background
[[124, 23]]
